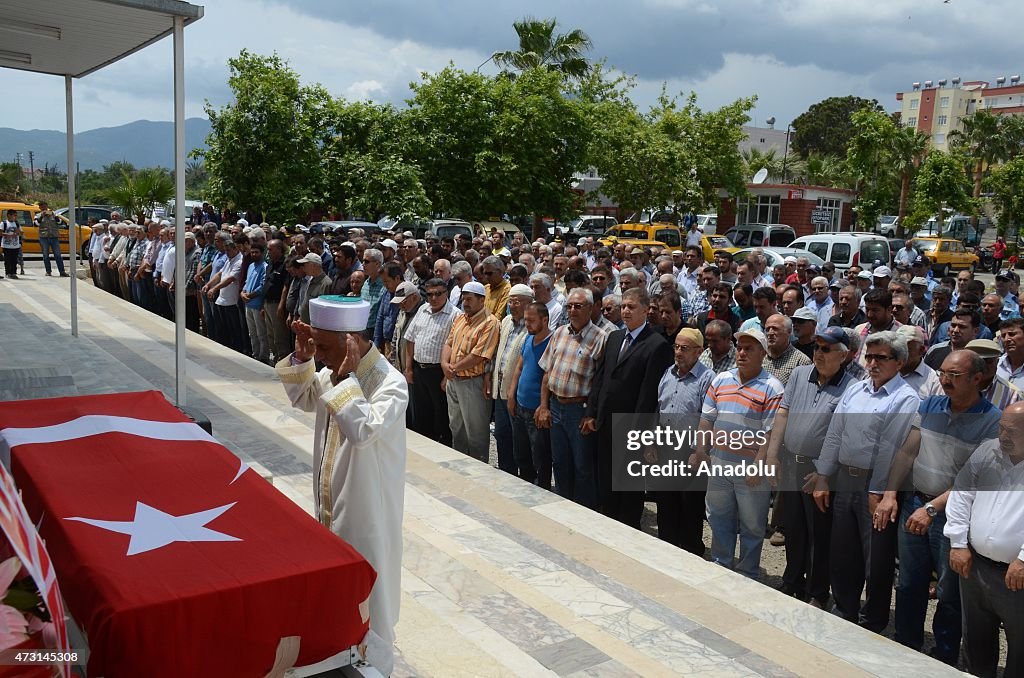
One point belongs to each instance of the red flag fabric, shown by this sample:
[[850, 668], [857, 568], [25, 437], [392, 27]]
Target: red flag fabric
[[173, 558]]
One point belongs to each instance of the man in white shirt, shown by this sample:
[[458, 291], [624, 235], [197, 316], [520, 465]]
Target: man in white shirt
[[985, 526], [223, 291]]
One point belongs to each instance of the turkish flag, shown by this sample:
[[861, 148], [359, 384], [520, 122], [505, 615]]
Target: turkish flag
[[175, 560]]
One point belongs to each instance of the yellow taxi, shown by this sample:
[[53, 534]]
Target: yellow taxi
[[644, 235], [26, 215], [946, 254], [712, 243]]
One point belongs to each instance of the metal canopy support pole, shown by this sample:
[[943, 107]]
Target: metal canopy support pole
[[72, 218], [180, 284]]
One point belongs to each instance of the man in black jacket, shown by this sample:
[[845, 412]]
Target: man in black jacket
[[626, 381]]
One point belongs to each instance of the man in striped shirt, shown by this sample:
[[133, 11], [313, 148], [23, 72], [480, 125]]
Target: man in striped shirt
[[569, 365], [470, 345], [740, 405]]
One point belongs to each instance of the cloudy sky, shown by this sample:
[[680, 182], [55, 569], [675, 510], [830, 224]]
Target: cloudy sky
[[790, 53]]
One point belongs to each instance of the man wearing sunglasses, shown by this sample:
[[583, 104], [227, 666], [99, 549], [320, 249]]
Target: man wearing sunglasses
[[870, 425]]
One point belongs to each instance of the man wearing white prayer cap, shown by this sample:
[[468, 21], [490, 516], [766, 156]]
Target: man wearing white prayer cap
[[358, 448]]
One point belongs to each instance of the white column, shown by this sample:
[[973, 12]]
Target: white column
[[180, 283], [72, 219]]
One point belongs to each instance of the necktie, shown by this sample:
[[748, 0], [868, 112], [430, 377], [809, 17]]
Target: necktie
[[626, 343]]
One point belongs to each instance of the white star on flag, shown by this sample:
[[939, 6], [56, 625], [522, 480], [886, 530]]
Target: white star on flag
[[152, 528]]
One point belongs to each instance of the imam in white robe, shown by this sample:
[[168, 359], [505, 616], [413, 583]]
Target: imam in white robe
[[359, 473]]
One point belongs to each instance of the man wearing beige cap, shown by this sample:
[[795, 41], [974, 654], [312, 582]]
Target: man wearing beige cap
[[358, 448], [471, 344], [510, 343], [993, 386]]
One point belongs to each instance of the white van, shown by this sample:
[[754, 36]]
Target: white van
[[847, 249]]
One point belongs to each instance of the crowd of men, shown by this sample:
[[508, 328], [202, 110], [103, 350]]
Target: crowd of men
[[891, 400]]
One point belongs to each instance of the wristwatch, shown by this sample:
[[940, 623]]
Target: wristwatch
[[930, 510]]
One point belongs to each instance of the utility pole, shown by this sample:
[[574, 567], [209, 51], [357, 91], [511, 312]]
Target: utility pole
[[32, 169]]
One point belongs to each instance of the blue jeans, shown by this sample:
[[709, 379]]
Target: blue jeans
[[532, 448], [572, 454], [48, 245], [503, 438], [732, 504], [919, 555]]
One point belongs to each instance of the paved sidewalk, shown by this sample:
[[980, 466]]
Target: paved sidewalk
[[500, 578]]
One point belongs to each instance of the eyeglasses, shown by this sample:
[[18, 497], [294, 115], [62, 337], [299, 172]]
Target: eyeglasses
[[826, 349], [686, 349], [948, 373], [818, 289], [434, 295], [878, 357], [575, 306]]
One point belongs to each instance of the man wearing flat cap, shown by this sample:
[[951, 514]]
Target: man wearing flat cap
[[358, 448]]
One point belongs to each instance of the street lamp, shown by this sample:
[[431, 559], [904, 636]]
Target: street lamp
[[785, 153]]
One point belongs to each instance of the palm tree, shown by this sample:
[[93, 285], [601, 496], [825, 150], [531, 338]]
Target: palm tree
[[983, 142], [909, 147], [540, 47], [821, 170], [755, 160], [138, 194]]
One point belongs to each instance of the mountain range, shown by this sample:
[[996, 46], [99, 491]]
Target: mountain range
[[143, 143]]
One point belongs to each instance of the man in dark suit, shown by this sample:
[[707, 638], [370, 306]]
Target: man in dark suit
[[626, 381]]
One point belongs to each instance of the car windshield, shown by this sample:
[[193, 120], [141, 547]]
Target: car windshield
[[628, 233], [719, 242], [874, 250], [926, 245]]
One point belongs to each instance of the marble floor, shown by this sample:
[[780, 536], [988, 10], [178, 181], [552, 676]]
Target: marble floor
[[500, 578]]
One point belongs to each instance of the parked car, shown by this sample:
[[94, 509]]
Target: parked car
[[585, 225], [86, 212], [946, 254], [712, 243], [887, 225], [645, 235], [369, 228], [847, 249], [895, 245], [481, 228], [776, 255], [761, 235], [957, 226], [449, 228], [26, 215], [707, 223]]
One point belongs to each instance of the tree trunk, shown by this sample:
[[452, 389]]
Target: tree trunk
[[904, 194], [977, 192], [538, 228]]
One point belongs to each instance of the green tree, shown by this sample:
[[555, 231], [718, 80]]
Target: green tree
[[11, 180], [882, 158], [196, 178], [541, 47], [139, 193], [985, 139], [1006, 182], [676, 155], [827, 126], [368, 166], [908, 150], [264, 148], [821, 170], [940, 183], [755, 160]]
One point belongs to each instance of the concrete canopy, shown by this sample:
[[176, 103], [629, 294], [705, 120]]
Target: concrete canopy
[[78, 37], [73, 38]]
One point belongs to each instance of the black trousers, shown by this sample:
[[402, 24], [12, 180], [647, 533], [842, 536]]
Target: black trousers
[[625, 507], [681, 518], [986, 603], [808, 534], [862, 557], [11, 261], [430, 403]]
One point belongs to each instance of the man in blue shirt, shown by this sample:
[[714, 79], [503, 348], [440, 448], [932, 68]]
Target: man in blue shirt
[[947, 430]]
